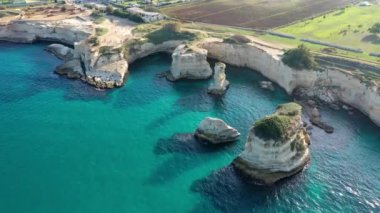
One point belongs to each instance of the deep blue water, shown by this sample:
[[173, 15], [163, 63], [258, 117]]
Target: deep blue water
[[67, 147]]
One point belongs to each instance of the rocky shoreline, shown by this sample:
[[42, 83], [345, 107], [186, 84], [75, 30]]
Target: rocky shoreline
[[108, 67]]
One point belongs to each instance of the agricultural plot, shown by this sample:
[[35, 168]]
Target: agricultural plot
[[262, 14], [348, 27]]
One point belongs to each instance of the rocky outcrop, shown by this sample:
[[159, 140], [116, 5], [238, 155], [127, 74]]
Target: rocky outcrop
[[277, 146], [64, 31], [219, 84], [71, 68], [216, 131], [189, 63], [61, 51], [330, 85], [315, 119], [104, 68]]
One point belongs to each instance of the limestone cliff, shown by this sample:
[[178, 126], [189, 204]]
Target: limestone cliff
[[189, 63], [64, 31], [338, 85], [277, 146]]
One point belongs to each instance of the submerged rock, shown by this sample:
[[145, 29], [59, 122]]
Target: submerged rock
[[216, 131], [220, 84], [189, 63], [277, 146], [267, 85]]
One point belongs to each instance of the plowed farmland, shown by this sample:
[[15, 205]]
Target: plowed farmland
[[262, 14]]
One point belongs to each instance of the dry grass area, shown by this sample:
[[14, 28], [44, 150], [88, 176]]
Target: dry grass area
[[46, 12], [262, 14]]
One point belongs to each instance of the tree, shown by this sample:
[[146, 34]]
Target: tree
[[299, 58], [375, 29]]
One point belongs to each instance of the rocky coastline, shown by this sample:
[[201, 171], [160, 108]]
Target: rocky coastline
[[331, 87], [109, 68]]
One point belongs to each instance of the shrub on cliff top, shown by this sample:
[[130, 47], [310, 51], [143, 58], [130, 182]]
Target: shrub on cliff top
[[289, 109], [273, 127], [124, 14], [299, 58], [170, 31], [237, 39]]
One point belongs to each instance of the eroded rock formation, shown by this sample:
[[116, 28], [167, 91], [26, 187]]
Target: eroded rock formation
[[216, 131], [189, 63], [219, 84], [61, 51], [330, 85], [277, 146]]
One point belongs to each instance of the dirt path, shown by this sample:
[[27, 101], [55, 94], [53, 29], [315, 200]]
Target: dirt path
[[118, 30]]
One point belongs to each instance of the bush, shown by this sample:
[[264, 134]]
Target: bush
[[105, 50], [124, 14], [273, 127], [101, 31], [109, 9], [289, 109], [94, 41], [89, 6], [299, 58], [237, 39], [375, 29], [172, 27], [170, 31]]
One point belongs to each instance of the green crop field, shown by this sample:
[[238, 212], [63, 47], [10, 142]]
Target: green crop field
[[347, 27]]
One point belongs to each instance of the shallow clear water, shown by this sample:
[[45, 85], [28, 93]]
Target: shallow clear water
[[67, 147]]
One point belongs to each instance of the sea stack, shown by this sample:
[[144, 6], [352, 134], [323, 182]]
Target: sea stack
[[219, 85], [277, 146], [189, 63], [216, 131]]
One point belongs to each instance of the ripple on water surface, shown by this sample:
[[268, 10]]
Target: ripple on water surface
[[66, 146]]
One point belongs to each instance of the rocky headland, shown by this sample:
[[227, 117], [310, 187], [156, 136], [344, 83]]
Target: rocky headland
[[277, 146]]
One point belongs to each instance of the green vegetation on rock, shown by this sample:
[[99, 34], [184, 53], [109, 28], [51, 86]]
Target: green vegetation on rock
[[289, 109], [299, 58], [100, 31], [375, 29], [237, 39], [124, 14], [272, 127], [170, 31]]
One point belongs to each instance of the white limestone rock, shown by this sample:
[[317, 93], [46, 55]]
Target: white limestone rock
[[61, 51], [216, 131], [268, 157], [340, 85], [220, 84], [189, 63]]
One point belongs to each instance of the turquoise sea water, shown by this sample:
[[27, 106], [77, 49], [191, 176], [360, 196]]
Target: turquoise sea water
[[67, 147]]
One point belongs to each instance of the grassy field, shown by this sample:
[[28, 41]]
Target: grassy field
[[252, 13], [348, 27]]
